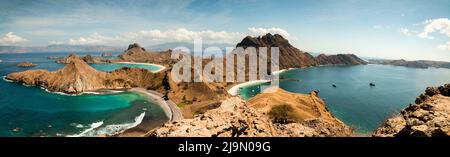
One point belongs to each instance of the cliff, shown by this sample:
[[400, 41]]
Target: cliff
[[292, 57], [235, 118], [77, 77], [429, 117]]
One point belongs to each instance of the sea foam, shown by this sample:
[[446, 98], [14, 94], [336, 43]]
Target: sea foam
[[112, 129]]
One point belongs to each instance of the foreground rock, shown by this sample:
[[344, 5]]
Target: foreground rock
[[26, 64], [234, 118], [78, 77], [308, 109], [429, 117]]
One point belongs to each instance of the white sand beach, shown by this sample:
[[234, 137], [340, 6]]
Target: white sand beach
[[235, 89], [160, 66]]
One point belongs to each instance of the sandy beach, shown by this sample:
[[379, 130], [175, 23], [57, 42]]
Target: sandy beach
[[160, 66], [170, 108], [235, 89]]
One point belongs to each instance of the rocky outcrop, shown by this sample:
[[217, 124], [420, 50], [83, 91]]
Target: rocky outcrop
[[235, 118], [429, 117], [136, 53], [77, 77], [26, 64], [88, 59], [308, 109], [291, 57]]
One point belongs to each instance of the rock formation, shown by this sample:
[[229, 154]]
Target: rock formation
[[339, 59], [26, 64], [235, 118], [429, 117], [77, 77], [136, 53], [88, 59], [291, 57], [413, 64]]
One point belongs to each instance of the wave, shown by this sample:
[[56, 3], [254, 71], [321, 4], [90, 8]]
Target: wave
[[4, 79], [93, 126], [112, 129]]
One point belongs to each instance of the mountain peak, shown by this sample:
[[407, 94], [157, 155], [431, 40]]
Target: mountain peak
[[135, 45], [267, 40]]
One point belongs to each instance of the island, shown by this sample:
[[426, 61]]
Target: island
[[26, 64]]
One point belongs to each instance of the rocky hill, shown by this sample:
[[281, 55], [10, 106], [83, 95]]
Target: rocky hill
[[339, 59], [429, 117], [291, 57], [136, 53], [77, 77], [413, 64], [88, 59], [236, 118]]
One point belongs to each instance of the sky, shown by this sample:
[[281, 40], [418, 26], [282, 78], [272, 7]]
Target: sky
[[407, 29]]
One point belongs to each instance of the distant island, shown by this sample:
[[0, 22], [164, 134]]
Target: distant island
[[414, 64], [58, 48]]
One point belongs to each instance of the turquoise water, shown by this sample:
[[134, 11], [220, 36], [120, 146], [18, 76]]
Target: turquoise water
[[353, 100], [33, 110], [114, 66]]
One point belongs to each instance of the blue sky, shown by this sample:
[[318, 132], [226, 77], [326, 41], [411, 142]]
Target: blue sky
[[409, 29]]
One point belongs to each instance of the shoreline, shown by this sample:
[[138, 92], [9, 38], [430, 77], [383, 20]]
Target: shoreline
[[234, 91], [169, 108], [157, 65]]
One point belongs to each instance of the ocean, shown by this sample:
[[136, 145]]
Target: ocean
[[31, 111], [353, 101]]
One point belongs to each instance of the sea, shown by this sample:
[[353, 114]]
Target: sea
[[31, 111], [353, 100]]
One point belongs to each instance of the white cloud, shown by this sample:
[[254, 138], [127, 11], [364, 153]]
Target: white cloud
[[406, 31], [147, 37], [11, 38], [94, 39], [441, 25], [263, 31], [56, 42], [445, 47]]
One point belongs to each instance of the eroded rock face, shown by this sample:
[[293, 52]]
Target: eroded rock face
[[77, 77], [429, 117], [234, 118]]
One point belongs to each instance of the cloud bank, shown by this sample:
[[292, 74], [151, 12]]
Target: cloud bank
[[173, 35], [11, 38]]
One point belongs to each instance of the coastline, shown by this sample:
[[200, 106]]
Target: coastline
[[157, 65], [169, 108], [234, 91]]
